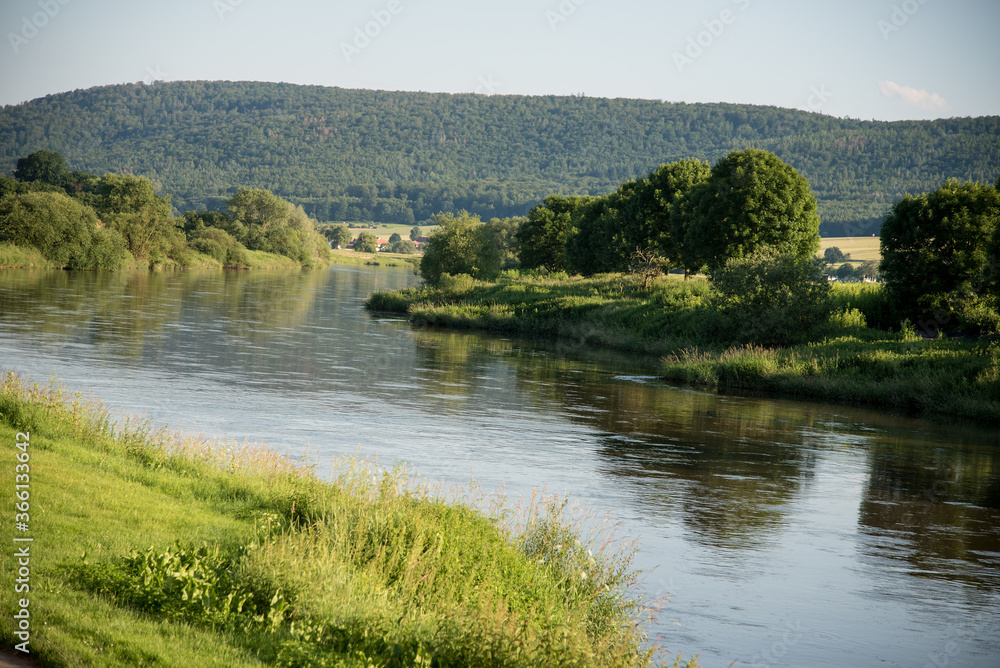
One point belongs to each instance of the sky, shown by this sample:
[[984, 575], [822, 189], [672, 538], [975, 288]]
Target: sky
[[865, 59]]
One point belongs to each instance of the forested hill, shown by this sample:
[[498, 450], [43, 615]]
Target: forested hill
[[401, 156]]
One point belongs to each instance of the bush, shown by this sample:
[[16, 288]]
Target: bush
[[771, 297], [218, 244], [461, 245], [61, 228]]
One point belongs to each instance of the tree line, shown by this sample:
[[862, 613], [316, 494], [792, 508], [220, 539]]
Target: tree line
[[750, 222], [79, 220], [402, 157]]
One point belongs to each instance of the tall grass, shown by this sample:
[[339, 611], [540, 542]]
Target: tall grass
[[869, 299], [20, 257], [172, 549]]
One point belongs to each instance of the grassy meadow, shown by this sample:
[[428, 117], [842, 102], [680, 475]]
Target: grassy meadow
[[158, 548], [351, 257], [857, 355], [859, 248]]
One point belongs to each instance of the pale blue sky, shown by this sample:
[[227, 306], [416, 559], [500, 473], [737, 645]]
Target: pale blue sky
[[881, 59]]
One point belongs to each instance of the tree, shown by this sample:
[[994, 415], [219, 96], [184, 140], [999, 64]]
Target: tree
[[339, 235], [868, 269], [751, 201], [646, 217], [366, 243], [649, 264], [394, 237], [404, 247], [845, 272], [462, 244], [261, 220], [936, 250], [501, 234], [833, 255], [130, 205], [255, 213], [45, 166], [415, 234], [543, 235]]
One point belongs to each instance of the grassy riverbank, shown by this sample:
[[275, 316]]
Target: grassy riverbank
[[843, 359], [155, 548]]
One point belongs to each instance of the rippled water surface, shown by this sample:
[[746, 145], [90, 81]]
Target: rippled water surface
[[780, 533]]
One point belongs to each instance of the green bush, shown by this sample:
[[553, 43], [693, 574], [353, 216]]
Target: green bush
[[772, 298], [62, 229]]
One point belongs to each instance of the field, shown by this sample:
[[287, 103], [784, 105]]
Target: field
[[386, 230], [859, 248], [347, 256]]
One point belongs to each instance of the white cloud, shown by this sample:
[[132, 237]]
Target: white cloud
[[918, 98]]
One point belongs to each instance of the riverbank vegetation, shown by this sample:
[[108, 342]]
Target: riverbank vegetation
[[77, 220], [190, 552], [765, 317]]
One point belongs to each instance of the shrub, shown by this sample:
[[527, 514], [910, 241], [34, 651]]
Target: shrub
[[61, 228], [772, 297]]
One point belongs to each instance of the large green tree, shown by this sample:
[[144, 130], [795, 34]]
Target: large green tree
[[129, 204], [45, 166], [937, 258], [543, 235], [752, 200], [339, 235], [461, 244], [366, 243], [645, 217], [261, 220]]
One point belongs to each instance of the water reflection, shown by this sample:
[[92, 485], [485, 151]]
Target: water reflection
[[932, 506]]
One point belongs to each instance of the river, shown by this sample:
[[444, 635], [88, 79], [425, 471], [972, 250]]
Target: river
[[774, 532]]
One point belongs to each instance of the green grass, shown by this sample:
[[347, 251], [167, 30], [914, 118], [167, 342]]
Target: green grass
[[17, 257], [853, 357], [859, 248], [351, 257], [156, 548], [917, 376]]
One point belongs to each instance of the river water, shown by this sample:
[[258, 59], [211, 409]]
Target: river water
[[776, 533]]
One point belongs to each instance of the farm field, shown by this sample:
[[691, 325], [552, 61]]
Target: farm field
[[859, 248]]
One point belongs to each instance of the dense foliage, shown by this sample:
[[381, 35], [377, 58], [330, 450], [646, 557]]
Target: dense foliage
[[752, 200], [82, 221], [63, 230], [941, 257], [682, 214], [464, 245], [400, 157]]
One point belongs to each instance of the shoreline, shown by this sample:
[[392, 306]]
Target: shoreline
[[850, 364]]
